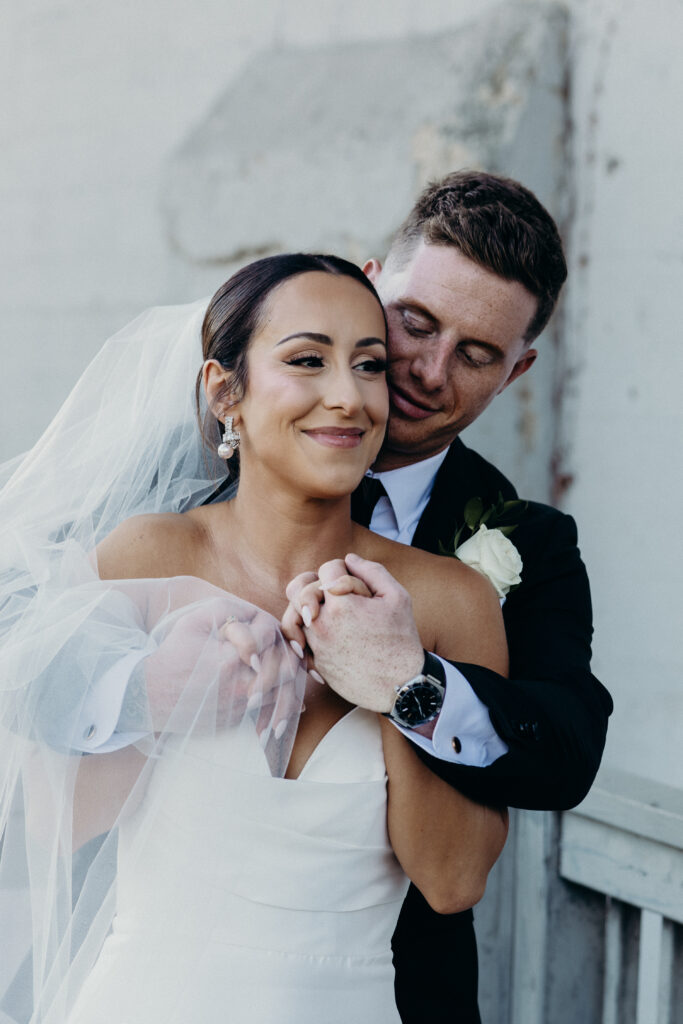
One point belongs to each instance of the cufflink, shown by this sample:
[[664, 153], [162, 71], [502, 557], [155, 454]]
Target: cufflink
[[456, 744], [89, 732]]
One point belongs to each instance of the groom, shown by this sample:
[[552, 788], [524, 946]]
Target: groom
[[470, 281]]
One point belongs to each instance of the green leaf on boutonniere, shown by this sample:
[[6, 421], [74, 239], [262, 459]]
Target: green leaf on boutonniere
[[473, 512], [443, 550], [457, 536], [476, 515]]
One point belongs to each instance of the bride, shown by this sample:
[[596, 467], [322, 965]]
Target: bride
[[264, 830]]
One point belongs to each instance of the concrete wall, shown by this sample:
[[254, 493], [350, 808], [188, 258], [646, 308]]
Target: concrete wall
[[623, 422]]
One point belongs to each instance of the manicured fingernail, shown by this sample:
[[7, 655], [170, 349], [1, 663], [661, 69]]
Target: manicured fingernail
[[303, 708], [316, 675], [279, 729], [263, 738], [306, 615], [254, 702], [297, 648], [255, 662]]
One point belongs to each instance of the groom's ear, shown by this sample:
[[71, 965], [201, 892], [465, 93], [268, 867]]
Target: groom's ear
[[372, 269], [521, 366]]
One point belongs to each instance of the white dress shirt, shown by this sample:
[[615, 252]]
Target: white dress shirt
[[463, 733]]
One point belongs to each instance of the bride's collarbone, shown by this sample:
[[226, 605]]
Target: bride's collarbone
[[269, 597], [223, 561], [220, 562]]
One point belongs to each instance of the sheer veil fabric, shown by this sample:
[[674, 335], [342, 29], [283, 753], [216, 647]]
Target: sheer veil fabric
[[125, 442]]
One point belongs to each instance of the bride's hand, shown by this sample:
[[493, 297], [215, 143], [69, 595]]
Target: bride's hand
[[274, 694], [255, 670]]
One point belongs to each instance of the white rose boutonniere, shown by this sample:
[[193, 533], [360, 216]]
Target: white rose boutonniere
[[488, 549], [492, 554]]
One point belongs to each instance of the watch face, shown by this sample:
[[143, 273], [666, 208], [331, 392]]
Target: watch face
[[419, 704]]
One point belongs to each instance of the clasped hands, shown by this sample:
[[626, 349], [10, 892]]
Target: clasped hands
[[356, 623], [351, 621]]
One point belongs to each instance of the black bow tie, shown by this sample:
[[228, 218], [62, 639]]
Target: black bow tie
[[364, 499]]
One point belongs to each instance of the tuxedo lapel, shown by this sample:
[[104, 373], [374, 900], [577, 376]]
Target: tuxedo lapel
[[463, 475], [449, 495]]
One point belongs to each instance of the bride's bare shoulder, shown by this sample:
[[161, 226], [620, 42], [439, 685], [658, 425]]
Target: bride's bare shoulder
[[421, 572], [443, 590], [154, 545], [456, 610]]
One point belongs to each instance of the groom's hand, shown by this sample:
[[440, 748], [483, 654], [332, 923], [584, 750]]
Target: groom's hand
[[365, 644], [306, 592]]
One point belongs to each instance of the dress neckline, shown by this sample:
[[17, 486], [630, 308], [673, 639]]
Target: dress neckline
[[312, 757]]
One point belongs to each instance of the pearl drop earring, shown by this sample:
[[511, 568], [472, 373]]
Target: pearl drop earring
[[231, 440]]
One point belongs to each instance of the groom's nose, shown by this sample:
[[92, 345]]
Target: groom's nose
[[432, 364]]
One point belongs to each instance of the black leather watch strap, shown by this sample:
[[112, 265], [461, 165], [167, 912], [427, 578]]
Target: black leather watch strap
[[434, 668]]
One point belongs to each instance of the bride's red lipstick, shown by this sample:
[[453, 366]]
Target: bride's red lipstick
[[336, 437]]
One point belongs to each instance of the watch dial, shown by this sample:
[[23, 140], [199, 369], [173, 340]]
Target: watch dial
[[421, 703]]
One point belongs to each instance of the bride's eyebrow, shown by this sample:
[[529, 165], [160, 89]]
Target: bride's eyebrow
[[325, 339]]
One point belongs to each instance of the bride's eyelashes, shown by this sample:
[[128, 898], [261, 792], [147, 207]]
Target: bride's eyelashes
[[371, 365], [311, 361], [314, 361]]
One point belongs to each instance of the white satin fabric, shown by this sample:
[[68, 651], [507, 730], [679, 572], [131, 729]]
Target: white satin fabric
[[255, 899]]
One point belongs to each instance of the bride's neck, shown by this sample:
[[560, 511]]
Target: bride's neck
[[284, 533]]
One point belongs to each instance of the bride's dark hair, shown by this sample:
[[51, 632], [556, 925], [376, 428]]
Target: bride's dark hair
[[235, 313]]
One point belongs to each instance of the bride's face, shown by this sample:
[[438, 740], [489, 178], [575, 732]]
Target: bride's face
[[316, 403]]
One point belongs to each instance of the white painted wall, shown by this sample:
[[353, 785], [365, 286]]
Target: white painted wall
[[623, 421], [94, 98]]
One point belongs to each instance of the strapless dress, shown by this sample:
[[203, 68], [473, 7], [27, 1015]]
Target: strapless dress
[[248, 899]]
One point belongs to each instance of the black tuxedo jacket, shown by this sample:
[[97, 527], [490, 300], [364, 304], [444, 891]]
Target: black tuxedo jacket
[[552, 713]]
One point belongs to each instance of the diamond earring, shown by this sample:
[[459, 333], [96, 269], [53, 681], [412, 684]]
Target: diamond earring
[[231, 440]]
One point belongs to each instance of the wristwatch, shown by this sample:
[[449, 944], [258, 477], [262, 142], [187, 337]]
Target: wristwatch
[[420, 699]]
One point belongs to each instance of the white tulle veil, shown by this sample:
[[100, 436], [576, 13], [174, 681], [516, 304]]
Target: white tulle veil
[[125, 442]]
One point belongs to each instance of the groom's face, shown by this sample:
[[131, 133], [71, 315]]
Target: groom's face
[[456, 340]]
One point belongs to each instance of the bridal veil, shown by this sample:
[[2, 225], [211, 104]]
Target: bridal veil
[[125, 442]]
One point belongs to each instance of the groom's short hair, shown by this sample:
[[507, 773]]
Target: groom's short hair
[[497, 223]]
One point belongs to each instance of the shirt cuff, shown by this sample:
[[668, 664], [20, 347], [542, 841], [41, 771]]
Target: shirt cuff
[[101, 708], [463, 733]]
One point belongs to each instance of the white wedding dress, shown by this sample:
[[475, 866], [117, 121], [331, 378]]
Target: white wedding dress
[[251, 899]]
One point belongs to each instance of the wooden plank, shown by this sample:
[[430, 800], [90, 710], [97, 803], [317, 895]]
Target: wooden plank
[[534, 836], [664, 1004], [613, 961], [631, 868], [649, 967], [635, 804]]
